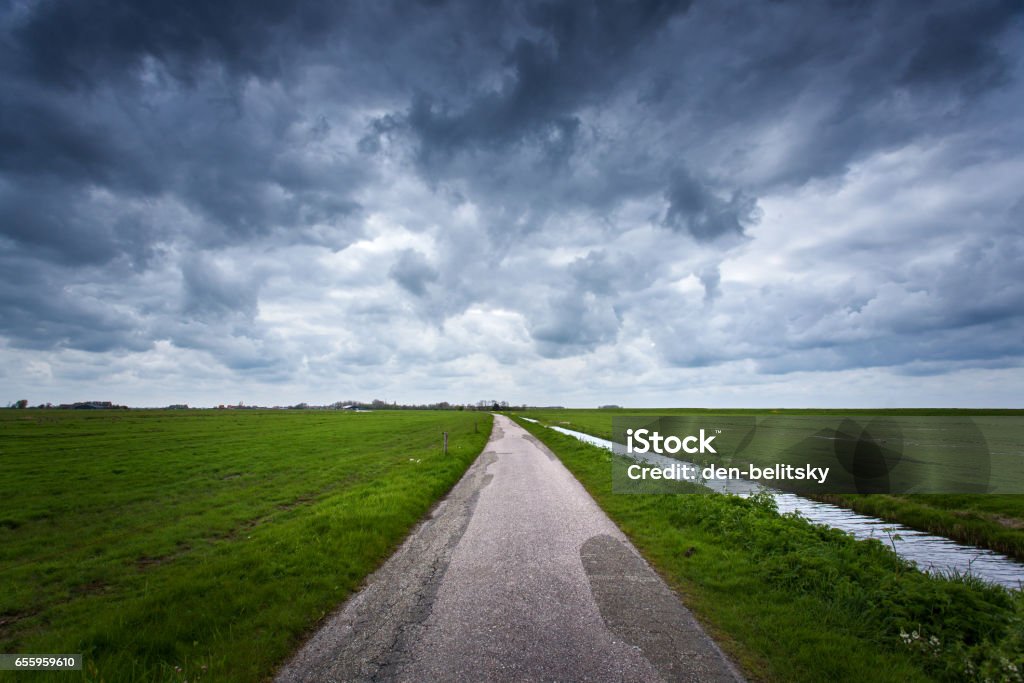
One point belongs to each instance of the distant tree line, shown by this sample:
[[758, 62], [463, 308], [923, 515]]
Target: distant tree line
[[81, 405], [375, 404]]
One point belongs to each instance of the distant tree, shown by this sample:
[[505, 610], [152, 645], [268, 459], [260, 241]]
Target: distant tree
[[23, 403]]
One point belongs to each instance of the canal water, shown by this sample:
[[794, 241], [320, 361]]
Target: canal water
[[930, 553]]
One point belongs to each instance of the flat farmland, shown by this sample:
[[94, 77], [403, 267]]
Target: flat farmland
[[989, 520], [203, 545]]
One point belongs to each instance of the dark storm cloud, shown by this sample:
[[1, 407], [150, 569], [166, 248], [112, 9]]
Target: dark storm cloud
[[676, 79], [40, 138], [152, 100], [582, 172], [870, 75], [695, 208], [956, 46], [39, 311], [583, 48], [72, 44]]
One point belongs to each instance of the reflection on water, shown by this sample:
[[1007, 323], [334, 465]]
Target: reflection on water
[[930, 553]]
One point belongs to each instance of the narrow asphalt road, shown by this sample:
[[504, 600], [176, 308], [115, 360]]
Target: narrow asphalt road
[[517, 576]]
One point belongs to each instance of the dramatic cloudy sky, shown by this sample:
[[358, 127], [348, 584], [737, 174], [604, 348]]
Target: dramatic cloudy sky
[[644, 203]]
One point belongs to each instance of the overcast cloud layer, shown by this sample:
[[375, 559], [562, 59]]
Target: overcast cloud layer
[[651, 203]]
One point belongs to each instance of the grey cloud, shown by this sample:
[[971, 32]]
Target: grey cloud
[[618, 273], [957, 46], [413, 272], [974, 346], [131, 102], [211, 291], [237, 181], [697, 209], [49, 137], [249, 351], [711, 279], [848, 78], [532, 139], [583, 48], [72, 43], [553, 132], [965, 308], [38, 312], [595, 273], [571, 326]]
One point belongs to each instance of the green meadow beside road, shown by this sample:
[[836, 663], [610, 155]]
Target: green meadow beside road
[[792, 601], [994, 521], [202, 545]]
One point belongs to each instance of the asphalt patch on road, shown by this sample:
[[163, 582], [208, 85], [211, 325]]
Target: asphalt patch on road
[[638, 607]]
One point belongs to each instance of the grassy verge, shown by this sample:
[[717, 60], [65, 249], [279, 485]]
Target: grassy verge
[[985, 520], [797, 602], [203, 545]]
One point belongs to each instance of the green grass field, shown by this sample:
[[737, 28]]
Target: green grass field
[[792, 601], [994, 521], [203, 545]]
